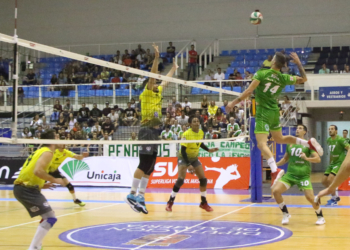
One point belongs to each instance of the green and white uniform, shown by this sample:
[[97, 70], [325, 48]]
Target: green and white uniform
[[299, 170], [175, 129], [167, 135], [270, 87], [237, 133], [337, 153], [232, 127]]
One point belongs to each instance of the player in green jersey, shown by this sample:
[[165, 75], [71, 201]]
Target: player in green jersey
[[299, 158], [268, 84], [345, 136], [337, 148]]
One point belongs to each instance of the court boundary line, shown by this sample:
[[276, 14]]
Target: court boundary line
[[63, 215], [162, 238]]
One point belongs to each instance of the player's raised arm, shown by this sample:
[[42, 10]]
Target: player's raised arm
[[244, 95], [284, 160], [170, 74], [154, 68], [296, 60], [41, 166], [315, 158]]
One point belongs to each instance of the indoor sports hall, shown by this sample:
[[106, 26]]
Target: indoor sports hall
[[247, 103]]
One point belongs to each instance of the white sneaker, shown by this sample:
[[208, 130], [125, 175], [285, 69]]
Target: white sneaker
[[285, 219], [320, 221]]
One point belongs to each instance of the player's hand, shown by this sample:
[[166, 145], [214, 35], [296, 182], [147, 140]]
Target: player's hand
[[59, 181], [231, 105], [85, 154], [190, 169], [49, 185], [295, 58], [212, 150], [303, 156], [156, 51], [175, 66]]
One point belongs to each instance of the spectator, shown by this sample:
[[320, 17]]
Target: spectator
[[107, 127], [268, 62], [61, 123], [35, 123], [346, 70], [219, 76], [204, 116], [117, 54], [286, 104], [186, 103], [170, 50], [183, 130], [44, 124], [166, 119], [26, 134], [178, 110], [175, 129], [88, 78], [239, 77], [107, 110], [201, 121], [223, 107], [95, 112], [171, 110], [96, 129], [208, 77], [106, 137], [127, 61], [105, 75], [188, 111], [133, 137], [212, 134], [335, 69], [204, 103], [140, 50], [113, 116], [76, 127], [20, 95], [96, 72], [68, 106], [239, 114], [215, 124], [192, 63], [221, 119], [126, 53], [62, 79], [141, 57], [130, 116], [212, 111], [324, 69], [71, 121], [174, 101], [86, 130], [31, 78], [167, 134], [38, 130], [54, 79], [132, 103], [84, 113], [183, 119], [98, 83], [117, 60], [232, 127]]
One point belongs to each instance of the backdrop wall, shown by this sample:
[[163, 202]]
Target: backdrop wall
[[90, 21]]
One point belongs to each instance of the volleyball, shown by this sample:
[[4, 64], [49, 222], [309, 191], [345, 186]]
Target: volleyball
[[256, 18]]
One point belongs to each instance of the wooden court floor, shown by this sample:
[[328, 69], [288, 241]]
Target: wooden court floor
[[106, 206]]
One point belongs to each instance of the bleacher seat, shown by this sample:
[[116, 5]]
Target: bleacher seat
[[205, 91], [252, 52], [345, 48], [195, 91], [243, 51], [279, 49], [229, 70], [333, 55], [317, 50], [235, 64], [250, 69], [200, 83], [240, 70], [342, 60], [99, 92], [123, 86], [343, 54], [237, 89], [234, 53], [331, 61], [225, 53], [290, 88], [307, 50], [108, 92], [163, 54], [335, 49], [289, 50], [254, 64], [324, 55], [261, 51], [227, 75], [71, 93], [298, 50], [271, 51], [326, 49], [239, 58], [248, 57]]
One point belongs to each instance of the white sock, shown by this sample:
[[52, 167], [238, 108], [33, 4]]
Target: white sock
[[173, 194], [303, 142], [281, 205], [135, 185], [204, 194], [272, 164], [74, 197], [318, 211], [143, 186], [38, 238]]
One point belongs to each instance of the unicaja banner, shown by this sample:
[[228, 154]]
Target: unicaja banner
[[221, 172], [132, 150], [227, 149]]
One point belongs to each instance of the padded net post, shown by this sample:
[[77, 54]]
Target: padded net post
[[255, 166]]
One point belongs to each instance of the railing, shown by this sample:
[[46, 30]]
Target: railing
[[212, 50], [181, 55]]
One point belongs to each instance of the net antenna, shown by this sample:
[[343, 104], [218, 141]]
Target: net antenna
[[15, 78]]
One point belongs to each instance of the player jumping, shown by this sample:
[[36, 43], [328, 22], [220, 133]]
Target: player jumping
[[268, 84], [151, 112], [299, 158], [29, 183], [337, 147], [188, 160]]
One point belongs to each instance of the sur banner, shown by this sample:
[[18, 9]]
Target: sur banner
[[221, 173], [128, 150]]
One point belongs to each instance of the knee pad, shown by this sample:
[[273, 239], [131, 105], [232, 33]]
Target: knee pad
[[203, 182], [70, 187], [52, 221], [48, 223], [179, 182]]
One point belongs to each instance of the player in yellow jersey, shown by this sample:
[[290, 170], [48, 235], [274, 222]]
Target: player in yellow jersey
[[151, 112], [29, 183], [59, 156], [188, 160]]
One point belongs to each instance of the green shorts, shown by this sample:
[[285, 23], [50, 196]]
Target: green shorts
[[332, 169], [303, 183], [266, 120]]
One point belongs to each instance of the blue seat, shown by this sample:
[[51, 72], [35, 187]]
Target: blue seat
[[244, 64], [290, 88], [229, 70], [195, 91], [279, 49], [234, 64], [298, 50], [243, 51], [91, 92], [270, 51], [250, 69], [249, 57], [71, 93], [99, 92], [163, 54], [252, 52], [307, 50], [108, 92], [262, 51], [237, 89], [254, 64], [46, 94], [226, 88], [239, 58], [225, 53], [123, 86], [289, 50], [227, 75], [205, 91], [240, 70], [256, 68], [234, 53], [201, 83]]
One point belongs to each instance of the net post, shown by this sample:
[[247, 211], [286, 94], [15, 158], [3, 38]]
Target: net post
[[255, 162]]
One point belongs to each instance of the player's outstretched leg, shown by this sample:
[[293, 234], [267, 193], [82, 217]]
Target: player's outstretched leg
[[130, 199], [176, 189], [72, 192], [327, 179], [140, 198], [279, 188], [309, 194], [202, 186]]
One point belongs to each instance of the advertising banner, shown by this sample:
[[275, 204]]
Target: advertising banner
[[345, 185], [221, 172], [226, 149], [334, 93], [128, 150], [9, 169]]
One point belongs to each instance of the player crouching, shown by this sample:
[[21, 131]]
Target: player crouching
[[299, 158], [188, 160]]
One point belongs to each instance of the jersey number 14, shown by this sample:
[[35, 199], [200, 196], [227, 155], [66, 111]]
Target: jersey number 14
[[272, 90]]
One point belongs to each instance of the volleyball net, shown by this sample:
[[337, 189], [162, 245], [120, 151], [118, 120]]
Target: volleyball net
[[107, 99]]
